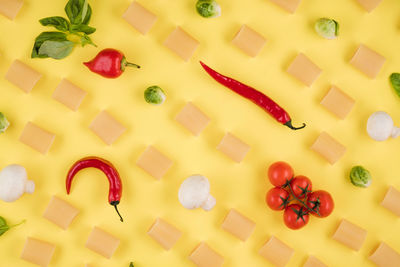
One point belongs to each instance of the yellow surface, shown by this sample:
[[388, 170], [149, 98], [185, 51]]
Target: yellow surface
[[240, 186]]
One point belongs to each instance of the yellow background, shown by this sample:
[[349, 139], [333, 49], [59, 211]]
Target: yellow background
[[241, 186]]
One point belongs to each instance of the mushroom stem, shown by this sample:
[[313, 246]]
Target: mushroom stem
[[29, 187], [395, 132], [209, 203]]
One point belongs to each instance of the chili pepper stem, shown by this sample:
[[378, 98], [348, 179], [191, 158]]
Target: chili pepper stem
[[289, 124], [125, 64], [116, 209]]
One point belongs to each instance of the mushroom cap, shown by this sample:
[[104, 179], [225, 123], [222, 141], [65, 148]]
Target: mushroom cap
[[194, 191], [12, 182], [380, 126]]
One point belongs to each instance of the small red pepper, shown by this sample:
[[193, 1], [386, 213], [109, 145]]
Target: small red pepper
[[115, 191], [255, 96], [109, 63]]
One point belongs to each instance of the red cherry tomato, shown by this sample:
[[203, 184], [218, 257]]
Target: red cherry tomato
[[295, 216], [279, 173], [277, 198], [301, 186], [321, 202]]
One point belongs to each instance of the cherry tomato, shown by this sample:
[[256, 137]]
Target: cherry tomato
[[277, 198], [295, 216], [321, 202], [301, 186], [279, 173]]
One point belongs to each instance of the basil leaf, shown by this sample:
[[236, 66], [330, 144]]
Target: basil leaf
[[46, 36], [85, 40], [86, 20], [76, 11], [56, 49], [395, 81], [3, 226], [57, 22], [82, 28]]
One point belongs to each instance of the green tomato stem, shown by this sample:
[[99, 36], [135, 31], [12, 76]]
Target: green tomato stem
[[299, 200]]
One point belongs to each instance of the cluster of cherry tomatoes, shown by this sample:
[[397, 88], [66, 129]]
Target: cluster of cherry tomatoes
[[294, 195]]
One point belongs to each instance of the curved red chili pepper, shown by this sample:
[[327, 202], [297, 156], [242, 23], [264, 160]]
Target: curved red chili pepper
[[253, 95], [115, 190]]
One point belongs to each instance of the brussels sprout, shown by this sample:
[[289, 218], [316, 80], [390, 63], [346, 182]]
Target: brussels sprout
[[3, 123], [360, 177], [208, 8], [327, 28], [154, 95]]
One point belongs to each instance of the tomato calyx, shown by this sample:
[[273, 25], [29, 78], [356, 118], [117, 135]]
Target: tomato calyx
[[300, 213], [285, 202], [317, 203], [304, 191]]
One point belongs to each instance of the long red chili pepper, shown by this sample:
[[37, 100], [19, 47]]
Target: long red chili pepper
[[255, 96], [115, 191]]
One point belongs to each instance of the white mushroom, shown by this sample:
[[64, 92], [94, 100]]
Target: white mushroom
[[14, 183], [195, 192], [380, 126]]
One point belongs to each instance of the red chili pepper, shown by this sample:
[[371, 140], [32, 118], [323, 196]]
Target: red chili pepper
[[109, 63], [255, 96], [115, 191]]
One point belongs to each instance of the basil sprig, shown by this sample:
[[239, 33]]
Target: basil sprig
[[72, 31], [4, 227]]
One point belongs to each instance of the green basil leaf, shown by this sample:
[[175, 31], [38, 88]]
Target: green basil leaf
[[395, 81], [46, 36], [76, 11], [59, 23], [3, 226], [85, 40], [86, 20], [82, 28], [56, 49]]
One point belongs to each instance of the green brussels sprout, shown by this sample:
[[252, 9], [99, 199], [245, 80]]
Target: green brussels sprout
[[327, 28], [360, 177], [154, 95], [3, 123], [208, 8]]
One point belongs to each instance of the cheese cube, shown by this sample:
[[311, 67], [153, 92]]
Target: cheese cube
[[385, 256], [233, 147], [37, 138], [60, 212], [204, 256], [192, 118], [303, 69], [369, 5], [314, 262], [367, 61], [139, 17], [10, 8], [69, 94], [102, 242], [328, 148], [238, 225], [154, 162], [338, 102], [181, 43], [392, 201], [22, 76], [350, 235], [38, 252], [249, 41], [164, 233], [288, 5], [276, 252], [107, 128]]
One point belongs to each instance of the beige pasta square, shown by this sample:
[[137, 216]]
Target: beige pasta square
[[204, 256], [10, 8], [22, 76], [328, 148], [38, 252], [369, 5], [164, 233], [392, 201], [385, 256], [233, 147], [107, 127], [192, 118], [350, 235], [367, 61], [181, 43], [314, 262], [238, 225], [338, 102], [249, 41], [139, 17], [154, 162], [102, 242], [60, 212], [37, 138], [276, 252], [288, 5], [69, 94], [304, 70]]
